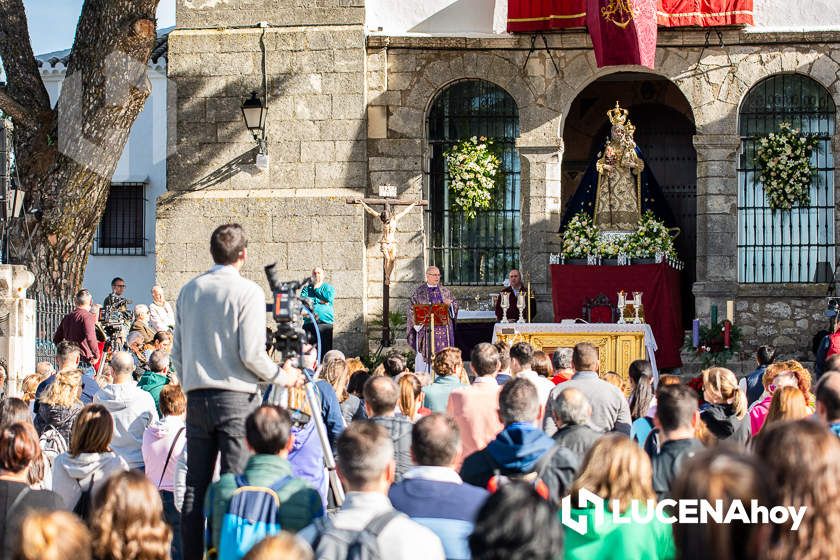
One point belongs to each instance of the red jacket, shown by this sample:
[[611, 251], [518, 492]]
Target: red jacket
[[79, 326]]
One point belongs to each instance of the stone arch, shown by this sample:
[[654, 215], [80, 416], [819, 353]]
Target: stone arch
[[434, 77]]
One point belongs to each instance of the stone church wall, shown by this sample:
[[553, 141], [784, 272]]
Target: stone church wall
[[294, 213], [347, 113], [405, 73]]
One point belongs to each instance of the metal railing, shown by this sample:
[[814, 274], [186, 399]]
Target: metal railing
[[48, 314], [795, 246], [122, 229], [481, 251]]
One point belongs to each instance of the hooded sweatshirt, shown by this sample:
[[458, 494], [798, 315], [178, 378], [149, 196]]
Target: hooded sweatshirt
[[133, 410], [73, 474], [723, 423], [158, 439], [517, 450], [153, 383], [614, 541]]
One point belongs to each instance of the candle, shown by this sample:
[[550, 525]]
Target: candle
[[730, 311], [727, 331], [714, 314], [695, 333]]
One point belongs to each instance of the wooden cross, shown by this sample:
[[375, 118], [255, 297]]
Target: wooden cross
[[387, 246]]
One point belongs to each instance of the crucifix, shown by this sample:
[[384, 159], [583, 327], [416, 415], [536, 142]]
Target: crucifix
[[387, 243]]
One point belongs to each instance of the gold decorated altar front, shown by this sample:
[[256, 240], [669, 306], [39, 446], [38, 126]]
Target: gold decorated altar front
[[618, 344]]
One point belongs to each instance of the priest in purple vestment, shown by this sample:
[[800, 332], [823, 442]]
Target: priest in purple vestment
[[418, 337]]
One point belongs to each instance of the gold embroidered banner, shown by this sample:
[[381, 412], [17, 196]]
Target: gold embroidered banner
[[622, 31]]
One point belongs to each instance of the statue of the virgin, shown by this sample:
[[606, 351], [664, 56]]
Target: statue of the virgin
[[618, 196]]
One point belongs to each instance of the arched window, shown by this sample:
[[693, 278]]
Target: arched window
[[479, 251], [795, 246]]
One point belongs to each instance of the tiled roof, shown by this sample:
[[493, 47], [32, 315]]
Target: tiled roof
[[55, 58]]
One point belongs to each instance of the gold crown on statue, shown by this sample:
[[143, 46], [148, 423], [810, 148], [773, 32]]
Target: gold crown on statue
[[618, 115]]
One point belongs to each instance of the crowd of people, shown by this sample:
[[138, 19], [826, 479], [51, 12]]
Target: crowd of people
[[482, 460]]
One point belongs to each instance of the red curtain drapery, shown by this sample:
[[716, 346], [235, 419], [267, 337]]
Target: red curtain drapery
[[525, 16], [572, 285], [704, 13]]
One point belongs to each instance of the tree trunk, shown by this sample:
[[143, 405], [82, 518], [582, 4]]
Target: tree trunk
[[65, 157]]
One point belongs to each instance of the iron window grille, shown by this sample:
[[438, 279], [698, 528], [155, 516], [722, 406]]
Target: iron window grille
[[122, 229], [793, 246], [478, 252]]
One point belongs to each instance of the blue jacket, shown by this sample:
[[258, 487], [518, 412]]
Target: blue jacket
[[517, 450], [449, 509], [330, 411], [755, 387]]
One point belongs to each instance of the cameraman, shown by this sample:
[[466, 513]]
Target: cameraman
[[219, 351], [116, 297]]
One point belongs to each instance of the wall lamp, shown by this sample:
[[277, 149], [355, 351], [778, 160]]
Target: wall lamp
[[254, 113]]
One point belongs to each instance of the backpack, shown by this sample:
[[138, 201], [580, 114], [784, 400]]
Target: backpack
[[534, 478], [833, 345], [52, 444], [333, 543], [84, 505], [253, 514]]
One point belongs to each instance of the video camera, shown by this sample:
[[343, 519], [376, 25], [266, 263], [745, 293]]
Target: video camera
[[114, 316], [286, 307]]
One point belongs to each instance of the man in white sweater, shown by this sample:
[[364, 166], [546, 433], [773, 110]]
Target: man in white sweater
[[219, 352]]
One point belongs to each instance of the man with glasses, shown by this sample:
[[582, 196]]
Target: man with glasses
[[420, 337], [117, 291]]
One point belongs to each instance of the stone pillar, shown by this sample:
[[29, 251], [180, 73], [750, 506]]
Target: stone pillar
[[541, 215], [17, 325], [717, 220]]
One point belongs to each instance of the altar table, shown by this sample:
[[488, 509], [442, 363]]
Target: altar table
[[572, 284], [618, 344]]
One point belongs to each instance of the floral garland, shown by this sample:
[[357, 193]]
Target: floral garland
[[581, 238], [711, 349], [784, 164], [473, 169]]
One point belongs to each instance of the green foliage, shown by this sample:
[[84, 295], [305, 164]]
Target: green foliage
[[784, 163], [473, 168], [396, 321], [711, 350]]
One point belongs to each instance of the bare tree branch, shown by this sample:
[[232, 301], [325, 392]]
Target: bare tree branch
[[22, 75]]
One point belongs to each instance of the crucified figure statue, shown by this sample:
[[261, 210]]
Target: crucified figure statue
[[388, 241], [387, 245]]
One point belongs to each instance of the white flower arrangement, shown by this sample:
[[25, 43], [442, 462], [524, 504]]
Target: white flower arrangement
[[582, 238], [784, 163], [473, 169]]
